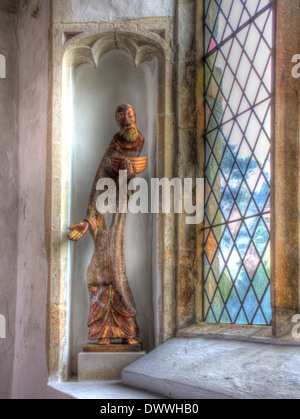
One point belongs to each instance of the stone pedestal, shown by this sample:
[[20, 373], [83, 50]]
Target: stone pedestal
[[105, 366]]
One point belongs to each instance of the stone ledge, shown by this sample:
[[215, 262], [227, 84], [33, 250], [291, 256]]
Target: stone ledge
[[104, 366], [200, 368]]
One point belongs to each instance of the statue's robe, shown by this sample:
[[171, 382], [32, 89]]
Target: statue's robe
[[112, 309]]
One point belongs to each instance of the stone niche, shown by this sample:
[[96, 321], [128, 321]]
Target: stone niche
[[96, 68], [96, 92]]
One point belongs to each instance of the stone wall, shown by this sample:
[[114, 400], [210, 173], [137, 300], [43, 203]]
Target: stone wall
[[30, 366], [9, 173]]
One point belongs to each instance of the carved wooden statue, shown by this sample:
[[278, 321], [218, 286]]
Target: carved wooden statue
[[112, 309]]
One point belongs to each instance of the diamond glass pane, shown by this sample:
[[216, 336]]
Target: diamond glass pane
[[238, 109]]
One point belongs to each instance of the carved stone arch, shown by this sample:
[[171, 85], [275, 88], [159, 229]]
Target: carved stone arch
[[91, 49]]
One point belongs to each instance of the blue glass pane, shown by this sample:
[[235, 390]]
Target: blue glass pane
[[227, 163], [243, 199], [259, 319], [251, 224], [250, 305], [235, 180], [233, 305], [243, 241], [227, 203], [261, 193], [266, 306], [226, 244], [238, 76], [261, 237]]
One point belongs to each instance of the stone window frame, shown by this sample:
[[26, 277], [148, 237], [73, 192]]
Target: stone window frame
[[285, 281]]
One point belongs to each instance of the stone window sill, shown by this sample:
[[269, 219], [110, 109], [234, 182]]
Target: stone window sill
[[259, 334]]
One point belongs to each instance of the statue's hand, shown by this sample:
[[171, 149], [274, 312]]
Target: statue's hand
[[78, 230], [131, 172]]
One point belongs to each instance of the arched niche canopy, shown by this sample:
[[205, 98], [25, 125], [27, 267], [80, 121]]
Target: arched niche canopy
[[90, 50]]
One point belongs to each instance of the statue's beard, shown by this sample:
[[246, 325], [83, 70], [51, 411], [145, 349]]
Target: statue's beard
[[130, 133]]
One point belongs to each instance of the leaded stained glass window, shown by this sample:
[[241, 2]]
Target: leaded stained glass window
[[238, 101]]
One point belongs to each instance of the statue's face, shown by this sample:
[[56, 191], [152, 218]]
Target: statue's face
[[127, 122]]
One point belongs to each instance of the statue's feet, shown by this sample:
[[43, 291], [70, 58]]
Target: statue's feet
[[132, 341], [105, 341]]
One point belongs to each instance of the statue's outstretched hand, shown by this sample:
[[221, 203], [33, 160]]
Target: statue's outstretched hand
[[78, 230]]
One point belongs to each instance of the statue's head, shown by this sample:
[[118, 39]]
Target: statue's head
[[126, 119]]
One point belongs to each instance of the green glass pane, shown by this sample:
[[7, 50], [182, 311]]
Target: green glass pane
[[217, 305], [225, 318], [206, 305], [211, 60], [242, 283], [218, 265], [219, 187], [211, 138], [210, 286], [211, 208], [210, 317], [220, 146], [206, 266], [225, 285], [212, 15], [211, 170], [260, 282], [220, 229], [241, 318]]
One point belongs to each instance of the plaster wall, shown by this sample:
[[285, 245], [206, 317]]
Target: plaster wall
[[106, 10], [96, 94], [30, 368], [8, 192]]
